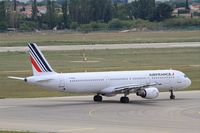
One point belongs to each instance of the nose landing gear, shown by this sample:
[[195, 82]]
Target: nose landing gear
[[172, 96]]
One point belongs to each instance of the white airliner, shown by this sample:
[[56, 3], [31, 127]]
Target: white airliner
[[146, 84]]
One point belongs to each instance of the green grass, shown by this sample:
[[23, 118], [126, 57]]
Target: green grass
[[17, 64], [51, 38]]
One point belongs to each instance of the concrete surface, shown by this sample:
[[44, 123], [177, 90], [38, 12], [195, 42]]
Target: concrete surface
[[104, 46], [80, 114]]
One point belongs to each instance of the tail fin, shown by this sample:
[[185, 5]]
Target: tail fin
[[40, 65]]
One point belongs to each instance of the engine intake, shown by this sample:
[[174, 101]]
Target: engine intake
[[148, 93]]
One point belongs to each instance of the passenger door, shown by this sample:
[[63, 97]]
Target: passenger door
[[62, 82]]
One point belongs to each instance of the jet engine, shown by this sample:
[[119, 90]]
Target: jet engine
[[148, 93]]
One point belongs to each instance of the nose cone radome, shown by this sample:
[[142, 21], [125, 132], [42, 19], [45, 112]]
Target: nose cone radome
[[188, 82]]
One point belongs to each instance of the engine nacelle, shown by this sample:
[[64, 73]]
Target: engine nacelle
[[148, 93]]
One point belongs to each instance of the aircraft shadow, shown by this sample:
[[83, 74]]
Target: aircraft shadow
[[65, 103]]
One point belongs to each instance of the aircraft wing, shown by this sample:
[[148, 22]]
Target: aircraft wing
[[132, 87], [127, 88]]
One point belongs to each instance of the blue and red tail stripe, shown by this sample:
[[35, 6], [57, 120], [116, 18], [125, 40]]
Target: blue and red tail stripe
[[35, 64], [37, 59]]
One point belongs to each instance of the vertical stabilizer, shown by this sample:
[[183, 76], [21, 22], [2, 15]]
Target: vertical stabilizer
[[40, 65]]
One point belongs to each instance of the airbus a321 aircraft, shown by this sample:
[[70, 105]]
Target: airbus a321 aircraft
[[146, 84]]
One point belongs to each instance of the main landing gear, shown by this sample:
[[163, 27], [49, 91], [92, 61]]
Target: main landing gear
[[172, 96], [97, 98], [124, 99]]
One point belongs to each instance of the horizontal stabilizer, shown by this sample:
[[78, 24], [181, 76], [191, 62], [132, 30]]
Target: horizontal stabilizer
[[18, 78]]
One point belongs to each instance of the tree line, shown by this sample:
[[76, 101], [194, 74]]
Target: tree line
[[71, 14]]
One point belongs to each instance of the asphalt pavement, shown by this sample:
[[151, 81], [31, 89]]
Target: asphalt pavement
[[104, 46], [79, 114]]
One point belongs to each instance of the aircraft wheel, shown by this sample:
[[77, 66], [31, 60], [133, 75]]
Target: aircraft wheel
[[172, 97], [97, 98], [124, 100]]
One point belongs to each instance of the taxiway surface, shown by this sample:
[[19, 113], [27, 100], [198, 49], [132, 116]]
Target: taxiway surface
[[82, 115], [106, 46]]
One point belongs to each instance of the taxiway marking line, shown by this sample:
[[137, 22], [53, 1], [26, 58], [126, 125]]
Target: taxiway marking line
[[76, 129], [91, 113]]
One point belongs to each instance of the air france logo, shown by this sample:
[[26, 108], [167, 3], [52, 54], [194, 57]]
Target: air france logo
[[161, 74]]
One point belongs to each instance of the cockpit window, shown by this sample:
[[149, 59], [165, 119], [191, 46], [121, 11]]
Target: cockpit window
[[185, 76]]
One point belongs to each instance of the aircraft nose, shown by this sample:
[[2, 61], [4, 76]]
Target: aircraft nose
[[189, 82]]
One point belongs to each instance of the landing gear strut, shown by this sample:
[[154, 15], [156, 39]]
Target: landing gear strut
[[97, 98], [172, 96]]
